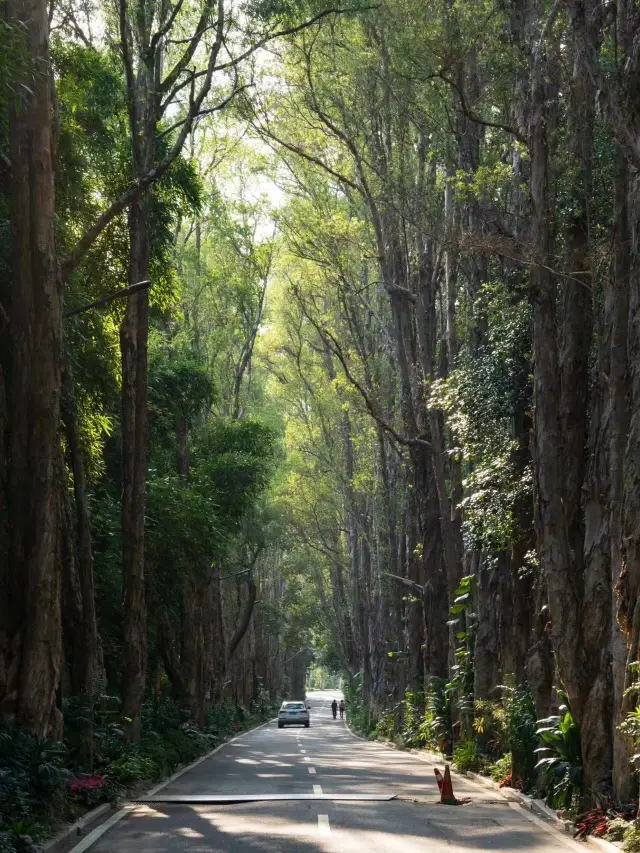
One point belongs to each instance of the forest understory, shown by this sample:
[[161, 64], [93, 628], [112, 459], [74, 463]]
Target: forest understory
[[319, 358]]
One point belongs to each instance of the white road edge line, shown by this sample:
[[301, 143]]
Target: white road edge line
[[323, 824], [561, 836], [312, 771], [99, 831], [317, 789]]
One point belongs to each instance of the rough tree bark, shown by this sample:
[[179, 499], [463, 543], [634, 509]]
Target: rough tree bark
[[32, 642], [579, 603], [617, 312], [134, 332], [85, 641]]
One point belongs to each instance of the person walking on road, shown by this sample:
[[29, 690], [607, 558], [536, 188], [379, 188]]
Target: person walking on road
[[342, 709], [334, 708]]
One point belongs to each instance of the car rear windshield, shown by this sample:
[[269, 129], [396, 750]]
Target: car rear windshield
[[294, 706]]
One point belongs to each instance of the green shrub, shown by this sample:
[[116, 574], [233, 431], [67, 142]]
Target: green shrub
[[413, 718], [22, 837], [358, 715], [221, 719], [616, 829], [490, 725], [131, 769], [502, 768], [262, 705], [386, 725], [466, 756], [521, 738], [33, 776], [631, 840], [439, 716]]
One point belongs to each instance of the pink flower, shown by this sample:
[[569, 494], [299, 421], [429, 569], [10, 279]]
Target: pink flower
[[86, 783]]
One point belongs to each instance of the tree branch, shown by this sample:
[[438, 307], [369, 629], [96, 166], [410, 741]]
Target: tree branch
[[165, 28], [468, 113], [308, 157], [241, 630], [406, 582], [327, 336], [119, 294], [289, 31], [171, 78]]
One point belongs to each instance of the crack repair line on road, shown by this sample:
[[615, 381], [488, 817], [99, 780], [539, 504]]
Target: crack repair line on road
[[212, 799]]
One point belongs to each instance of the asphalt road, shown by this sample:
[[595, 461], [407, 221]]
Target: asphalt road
[[324, 759]]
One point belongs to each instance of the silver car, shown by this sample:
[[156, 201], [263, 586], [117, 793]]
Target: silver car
[[293, 713]]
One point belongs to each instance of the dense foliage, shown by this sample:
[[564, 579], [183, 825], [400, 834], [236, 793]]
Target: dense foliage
[[322, 356]]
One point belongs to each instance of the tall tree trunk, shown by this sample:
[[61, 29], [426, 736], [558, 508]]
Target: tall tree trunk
[[591, 556], [134, 333], [487, 640], [33, 642], [617, 309], [86, 639], [214, 636], [562, 585]]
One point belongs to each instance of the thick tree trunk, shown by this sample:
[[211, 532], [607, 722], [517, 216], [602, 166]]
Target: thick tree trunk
[[133, 344], [436, 596], [192, 655], [33, 642], [539, 667], [86, 639], [487, 639], [245, 618], [591, 553], [617, 310], [563, 587], [595, 722], [5, 541], [214, 636]]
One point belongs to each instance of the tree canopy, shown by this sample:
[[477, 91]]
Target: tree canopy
[[319, 345]]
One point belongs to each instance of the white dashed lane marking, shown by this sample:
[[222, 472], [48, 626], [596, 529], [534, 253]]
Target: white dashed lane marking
[[312, 771], [317, 789], [323, 824]]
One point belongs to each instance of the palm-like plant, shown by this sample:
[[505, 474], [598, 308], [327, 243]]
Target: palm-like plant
[[561, 763]]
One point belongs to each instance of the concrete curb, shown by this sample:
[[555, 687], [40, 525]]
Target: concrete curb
[[80, 825], [99, 831], [510, 795], [542, 809]]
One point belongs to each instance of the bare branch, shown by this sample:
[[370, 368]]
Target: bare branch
[[119, 294], [165, 28], [468, 113], [406, 582], [172, 77], [334, 345], [289, 31], [310, 158], [206, 112]]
